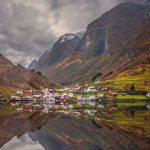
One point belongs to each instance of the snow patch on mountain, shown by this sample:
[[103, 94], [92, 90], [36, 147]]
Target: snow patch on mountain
[[70, 36]]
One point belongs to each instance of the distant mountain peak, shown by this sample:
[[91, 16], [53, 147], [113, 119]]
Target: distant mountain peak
[[70, 36]]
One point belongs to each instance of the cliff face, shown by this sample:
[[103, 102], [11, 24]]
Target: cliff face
[[104, 47]]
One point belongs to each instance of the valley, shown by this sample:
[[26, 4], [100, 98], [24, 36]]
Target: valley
[[89, 91]]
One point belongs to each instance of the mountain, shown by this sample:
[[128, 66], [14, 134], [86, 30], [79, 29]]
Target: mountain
[[19, 77], [65, 46], [105, 47]]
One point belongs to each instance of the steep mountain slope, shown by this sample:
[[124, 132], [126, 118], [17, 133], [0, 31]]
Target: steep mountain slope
[[105, 47], [19, 77], [64, 47]]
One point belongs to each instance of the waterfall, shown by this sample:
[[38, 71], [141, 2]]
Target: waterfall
[[106, 41]]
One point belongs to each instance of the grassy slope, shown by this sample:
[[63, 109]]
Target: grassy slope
[[139, 76]]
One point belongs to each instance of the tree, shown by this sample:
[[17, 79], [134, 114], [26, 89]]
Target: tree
[[39, 73], [132, 113], [132, 87], [96, 76]]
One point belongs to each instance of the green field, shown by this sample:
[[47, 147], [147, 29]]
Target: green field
[[138, 104], [131, 97], [139, 76]]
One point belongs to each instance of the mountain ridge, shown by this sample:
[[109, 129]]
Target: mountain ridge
[[107, 38]]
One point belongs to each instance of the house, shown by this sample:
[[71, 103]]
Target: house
[[110, 89], [148, 95], [78, 97], [2, 98], [70, 95], [56, 107], [76, 89], [61, 90], [61, 104], [90, 89], [79, 103], [66, 89], [100, 106], [103, 89], [57, 94], [19, 109], [83, 98], [66, 96], [109, 112], [123, 93], [52, 104], [97, 82], [100, 95], [70, 106], [62, 97], [113, 94], [19, 92], [89, 112], [92, 97], [92, 103], [46, 90], [37, 96], [148, 106]]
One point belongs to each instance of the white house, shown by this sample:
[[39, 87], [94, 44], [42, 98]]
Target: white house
[[19, 92], [70, 106], [100, 106], [70, 94], [97, 82], [37, 96], [90, 89], [92, 97], [100, 95], [148, 95], [91, 103], [78, 97]]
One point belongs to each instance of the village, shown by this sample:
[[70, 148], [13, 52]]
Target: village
[[76, 100]]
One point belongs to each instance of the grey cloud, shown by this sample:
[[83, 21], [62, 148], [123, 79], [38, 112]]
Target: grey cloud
[[27, 28]]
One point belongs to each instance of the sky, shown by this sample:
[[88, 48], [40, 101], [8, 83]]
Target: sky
[[30, 27]]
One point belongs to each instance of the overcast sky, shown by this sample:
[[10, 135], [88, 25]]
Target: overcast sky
[[29, 27]]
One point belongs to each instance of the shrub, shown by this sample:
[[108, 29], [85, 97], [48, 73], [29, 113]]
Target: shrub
[[96, 76], [39, 73]]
